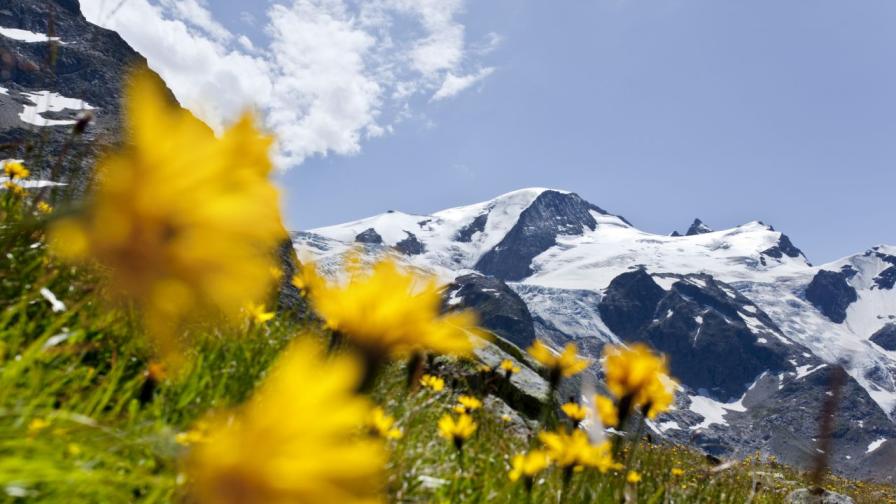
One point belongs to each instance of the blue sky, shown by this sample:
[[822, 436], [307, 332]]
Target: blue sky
[[660, 111]]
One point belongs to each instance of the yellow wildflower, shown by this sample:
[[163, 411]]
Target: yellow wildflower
[[13, 188], [566, 364], [276, 273], [606, 411], [633, 477], [15, 169], [182, 220], [638, 377], [383, 425], [198, 434], [44, 207], [467, 404], [677, 471], [573, 449], [528, 465], [73, 449], [509, 367], [434, 383], [457, 430], [389, 312], [37, 425], [575, 412], [258, 314], [296, 440], [506, 418]]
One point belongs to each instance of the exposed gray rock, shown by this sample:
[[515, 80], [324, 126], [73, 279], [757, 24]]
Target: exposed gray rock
[[885, 337], [698, 227], [500, 309], [369, 236], [552, 214], [410, 245], [477, 226], [807, 496], [830, 292]]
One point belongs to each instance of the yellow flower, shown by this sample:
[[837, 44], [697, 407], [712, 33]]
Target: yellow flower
[[509, 367], [13, 188], [276, 273], [528, 465], [198, 434], [44, 207], [606, 411], [389, 312], [565, 365], [573, 449], [633, 477], [457, 430], [467, 404], [575, 412], [182, 220], [506, 418], [37, 425], [296, 440], [434, 383], [383, 425], [258, 314], [677, 471], [15, 169], [639, 375], [73, 449]]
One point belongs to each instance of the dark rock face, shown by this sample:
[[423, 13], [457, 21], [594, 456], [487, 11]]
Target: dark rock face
[[501, 310], [466, 233], [885, 337], [551, 214], [90, 66], [831, 294], [784, 248], [698, 227], [289, 299], [700, 328], [630, 303], [886, 279], [369, 236], [410, 245]]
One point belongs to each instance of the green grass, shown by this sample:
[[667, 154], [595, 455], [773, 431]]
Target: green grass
[[81, 420]]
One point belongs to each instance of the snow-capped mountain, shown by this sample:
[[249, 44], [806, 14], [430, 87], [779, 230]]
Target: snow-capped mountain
[[754, 332]]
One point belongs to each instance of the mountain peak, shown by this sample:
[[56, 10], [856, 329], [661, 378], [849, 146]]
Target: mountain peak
[[698, 227]]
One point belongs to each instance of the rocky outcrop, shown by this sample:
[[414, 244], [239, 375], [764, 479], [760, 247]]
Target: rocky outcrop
[[698, 227], [465, 235], [552, 214], [784, 247], [885, 337], [813, 496], [369, 236], [630, 302], [500, 309], [830, 292], [410, 245]]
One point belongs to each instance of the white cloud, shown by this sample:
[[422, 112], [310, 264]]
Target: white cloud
[[454, 84], [335, 72]]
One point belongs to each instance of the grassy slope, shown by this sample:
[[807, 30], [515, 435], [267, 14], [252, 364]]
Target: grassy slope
[[83, 372]]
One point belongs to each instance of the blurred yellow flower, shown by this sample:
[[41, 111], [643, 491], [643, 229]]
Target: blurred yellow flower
[[566, 364], [182, 220], [197, 434], [258, 314], [386, 311], [44, 207], [296, 440], [15, 169], [677, 471], [639, 377], [457, 430], [509, 367], [37, 425], [633, 477], [606, 411], [528, 465], [573, 449], [575, 412], [434, 383], [383, 425], [506, 418], [13, 188], [467, 404]]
